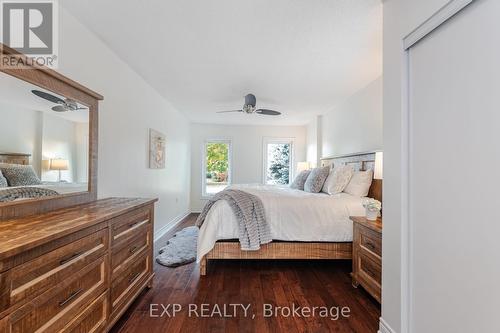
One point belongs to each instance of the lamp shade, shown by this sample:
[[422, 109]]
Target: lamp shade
[[379, 165], [59, 164], [301, 166]]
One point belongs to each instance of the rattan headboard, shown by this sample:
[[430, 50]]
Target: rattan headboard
[[360, 162], [15, 158]]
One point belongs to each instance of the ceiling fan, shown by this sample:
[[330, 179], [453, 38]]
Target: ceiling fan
[[249, 107], [63, 105]]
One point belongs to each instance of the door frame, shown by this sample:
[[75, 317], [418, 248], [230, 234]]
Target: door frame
[[437, 19]]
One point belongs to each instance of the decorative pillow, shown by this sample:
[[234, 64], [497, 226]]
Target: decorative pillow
[[360, 183], [19, 175], [338, 179], [316, 179], [300, 180], [3, 180]]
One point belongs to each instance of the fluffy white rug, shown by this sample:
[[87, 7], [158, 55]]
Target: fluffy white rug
[[180, 249]]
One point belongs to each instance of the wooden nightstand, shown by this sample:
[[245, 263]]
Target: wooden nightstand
[[367, 255]]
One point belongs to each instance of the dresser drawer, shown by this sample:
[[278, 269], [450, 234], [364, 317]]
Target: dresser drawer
[[93, 319], [4, 325], [128, 225], [370, 240], [126, 253], [53, 310], [36, 276], [123, 287]]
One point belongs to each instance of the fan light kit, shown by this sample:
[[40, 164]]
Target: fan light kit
[[249, 107]]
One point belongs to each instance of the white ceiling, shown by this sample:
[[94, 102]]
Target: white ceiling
[[300, 57]]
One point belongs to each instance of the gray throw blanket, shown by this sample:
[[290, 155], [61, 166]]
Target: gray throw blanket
[[253, 227], [11, 194]]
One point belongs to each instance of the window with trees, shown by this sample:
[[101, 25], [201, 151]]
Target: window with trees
[[216, 166], [278, 161]]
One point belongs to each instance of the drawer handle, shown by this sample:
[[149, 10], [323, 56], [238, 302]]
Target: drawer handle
[[370, 246], [131, 225], [71, 257], [70, 297], [133, 249], [133, 278]]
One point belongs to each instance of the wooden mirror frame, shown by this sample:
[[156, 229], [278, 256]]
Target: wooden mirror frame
[[51, 80]]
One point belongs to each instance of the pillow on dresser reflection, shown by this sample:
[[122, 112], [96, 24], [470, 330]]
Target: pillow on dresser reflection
[[360, 183], [3, 180], [338, 179], [19, 175], [316, 179], [300, 180]]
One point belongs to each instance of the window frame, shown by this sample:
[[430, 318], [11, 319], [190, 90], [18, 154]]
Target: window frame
[[227, 141], [278, 140]]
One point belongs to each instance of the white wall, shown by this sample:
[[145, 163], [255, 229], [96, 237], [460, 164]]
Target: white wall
[[247, 144], [21, 132], [59, 141], [313, 145], [82, 152], [351, 127], [356, 124], [400, 18], [129, 109], [44, 136]]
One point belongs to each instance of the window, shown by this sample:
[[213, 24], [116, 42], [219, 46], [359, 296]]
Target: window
[[216, 166], [278, 161]]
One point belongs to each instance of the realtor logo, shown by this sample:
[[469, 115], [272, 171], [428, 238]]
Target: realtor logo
[[30, 27]]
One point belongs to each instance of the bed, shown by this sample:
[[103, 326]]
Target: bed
[[51, 188], [303, 225]]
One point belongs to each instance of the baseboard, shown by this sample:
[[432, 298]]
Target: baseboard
[[166, 228], [384, 327]]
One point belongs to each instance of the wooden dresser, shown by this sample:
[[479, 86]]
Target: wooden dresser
[[367, 255], [75, 269]]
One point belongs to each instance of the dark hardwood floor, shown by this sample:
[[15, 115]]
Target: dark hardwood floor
[[279, 283]]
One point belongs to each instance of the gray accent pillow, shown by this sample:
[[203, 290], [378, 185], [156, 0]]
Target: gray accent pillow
[[300, 180], [316, 179], [20, 175], [3, 180]]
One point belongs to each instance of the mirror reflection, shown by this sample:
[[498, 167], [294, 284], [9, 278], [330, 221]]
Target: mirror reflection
[[44, 142]]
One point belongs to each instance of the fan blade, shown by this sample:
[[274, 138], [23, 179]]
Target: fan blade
[[268, 112], [48, 97], [60, 108], [229, 111]]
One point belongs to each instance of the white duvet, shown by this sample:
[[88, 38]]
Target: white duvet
[[293, 215]]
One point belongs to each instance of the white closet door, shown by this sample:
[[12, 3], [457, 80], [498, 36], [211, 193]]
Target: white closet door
[[454, 196]]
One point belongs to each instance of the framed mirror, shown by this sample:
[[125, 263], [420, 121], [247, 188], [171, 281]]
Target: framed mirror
[[48, 140]]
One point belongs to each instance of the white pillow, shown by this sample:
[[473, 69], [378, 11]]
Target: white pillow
[[338, 179], [360, 183]]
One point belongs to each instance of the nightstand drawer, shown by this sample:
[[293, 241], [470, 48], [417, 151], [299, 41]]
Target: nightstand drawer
[[370, 240], [369, 268], [367, 255]]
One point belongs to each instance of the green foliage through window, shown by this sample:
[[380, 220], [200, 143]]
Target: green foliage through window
[[217, 161], [278, 165]]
